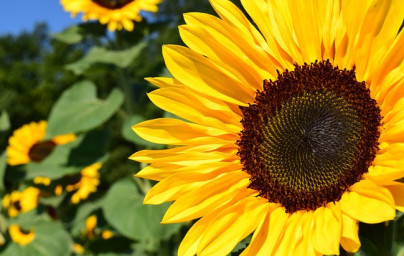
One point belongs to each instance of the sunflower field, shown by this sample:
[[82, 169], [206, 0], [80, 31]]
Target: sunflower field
[[205, 127]]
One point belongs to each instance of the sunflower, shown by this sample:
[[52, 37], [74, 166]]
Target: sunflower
[[91, 224], [90, 179], [294, 126], [19, 236], [26, 145], [117, 14], [21, 201]]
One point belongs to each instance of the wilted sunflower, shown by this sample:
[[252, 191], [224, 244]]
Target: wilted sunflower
[[296, 126], [26, 145], [117, 14]]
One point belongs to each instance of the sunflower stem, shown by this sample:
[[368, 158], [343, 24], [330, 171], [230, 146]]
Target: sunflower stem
[[123, 76]]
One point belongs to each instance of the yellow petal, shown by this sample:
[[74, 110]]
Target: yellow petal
[[174, 186], [164, 82], [327, 232], [392, 57], [159, 171], [247, 38], [268, 234], [231, 226], [273, 18], [388, 163], [397, 190], [306, 28], [395, 115], [183, 103], [393, 134], [19, 237], [292, 235], [368, 202], [201, 200], [185, 159], [189, 244], [200, 74], [173, 131], [350, 239]]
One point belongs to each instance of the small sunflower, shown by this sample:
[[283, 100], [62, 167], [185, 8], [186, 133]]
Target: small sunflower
[[117, 14], [26, 145], [78, 248], [21, 201], [91, 224], [42, 181], [19, 236], [90, 179], [295, 128]]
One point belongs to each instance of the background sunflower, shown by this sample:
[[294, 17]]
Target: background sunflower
[[118, 14]]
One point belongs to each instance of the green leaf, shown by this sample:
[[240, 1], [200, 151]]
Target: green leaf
[[79, 109], [70, 35], [90, 150], [53, 201], [55, 165], [50, 239], [368, 248], [4, 121], [84, 210], [72, 157], [398, 235], [121, 59], [123, 208], [3, 165], [130, 135]]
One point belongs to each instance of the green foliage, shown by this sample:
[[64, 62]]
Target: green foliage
[[3, 164], [50, 238], [4, 121], [121, 59], [124, 209], [79, 109], [70, 35]]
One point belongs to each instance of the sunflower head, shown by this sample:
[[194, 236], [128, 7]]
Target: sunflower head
[[118, 14], [90, 179], [26, 145], [91, 224], [309, 136], [21, 236], [291, 127], [21, 201]]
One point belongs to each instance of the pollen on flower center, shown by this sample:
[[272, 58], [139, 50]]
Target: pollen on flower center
[[309, 136], [112, 4]]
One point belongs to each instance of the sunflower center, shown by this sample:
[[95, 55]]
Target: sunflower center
[[112, 4], [309, 136], [41, 150], [17, 205]]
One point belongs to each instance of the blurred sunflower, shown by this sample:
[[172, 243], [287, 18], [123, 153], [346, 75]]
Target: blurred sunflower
[[19, 236], [21, 201], [296, 128], [90, 179], [26, 145], [117, 14]]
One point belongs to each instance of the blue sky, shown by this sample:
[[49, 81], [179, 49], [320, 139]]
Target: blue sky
[[19, 15]]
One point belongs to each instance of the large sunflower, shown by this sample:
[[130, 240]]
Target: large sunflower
[[26, 144], [296, 125], [117, 14]]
